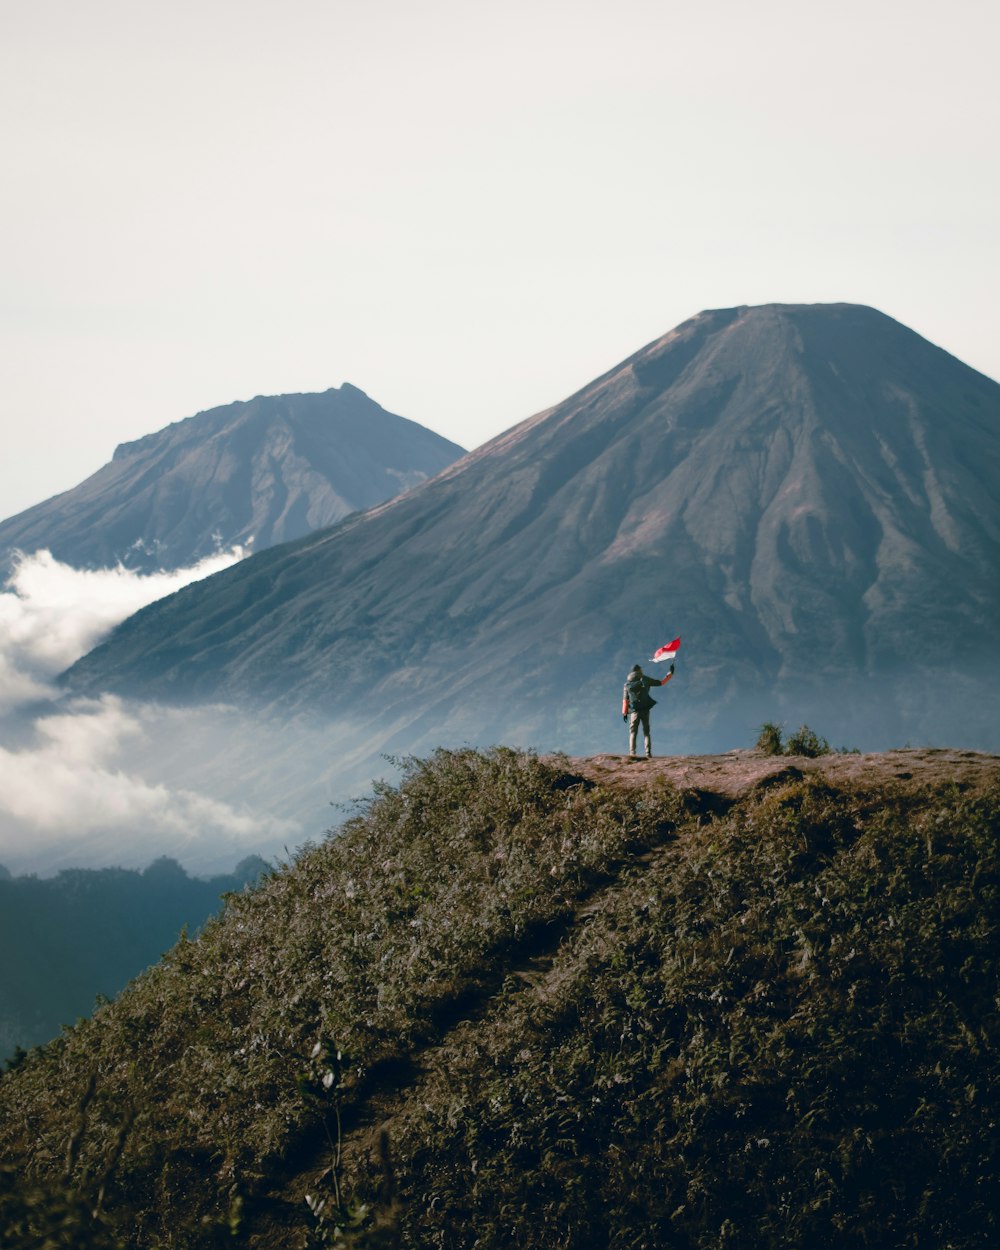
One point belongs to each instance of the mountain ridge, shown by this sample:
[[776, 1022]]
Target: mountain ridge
[[254, 472]]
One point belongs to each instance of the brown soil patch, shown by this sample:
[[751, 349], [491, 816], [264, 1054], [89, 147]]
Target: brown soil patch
[[736, 772]]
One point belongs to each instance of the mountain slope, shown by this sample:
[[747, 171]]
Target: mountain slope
[[806, 494], [755, 1013], [264, 471]]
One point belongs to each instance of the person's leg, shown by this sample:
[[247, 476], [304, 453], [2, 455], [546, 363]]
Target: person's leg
[[646, 735], [633, 731]]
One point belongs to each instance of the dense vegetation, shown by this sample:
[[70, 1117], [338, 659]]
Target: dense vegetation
[[505, 1007], [804, 741], [86, 932]]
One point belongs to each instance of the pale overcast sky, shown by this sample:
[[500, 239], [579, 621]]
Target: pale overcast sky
[[467, 210]]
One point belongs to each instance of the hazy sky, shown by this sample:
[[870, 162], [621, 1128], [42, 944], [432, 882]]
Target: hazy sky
[[467, 210]]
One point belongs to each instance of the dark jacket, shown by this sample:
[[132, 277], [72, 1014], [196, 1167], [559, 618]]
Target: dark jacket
[[642, 701]]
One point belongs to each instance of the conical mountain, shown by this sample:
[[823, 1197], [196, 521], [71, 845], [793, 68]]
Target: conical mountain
[[261, 472], [807, 494]]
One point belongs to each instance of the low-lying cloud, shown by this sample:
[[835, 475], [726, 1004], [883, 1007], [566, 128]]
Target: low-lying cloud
[[94, 782], [51, 613], [64, 797]]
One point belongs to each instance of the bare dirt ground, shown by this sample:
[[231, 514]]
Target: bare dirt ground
[[736, 772]]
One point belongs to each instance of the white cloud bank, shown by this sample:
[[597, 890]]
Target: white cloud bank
[[64, 797], [78, 778], [51, 613]]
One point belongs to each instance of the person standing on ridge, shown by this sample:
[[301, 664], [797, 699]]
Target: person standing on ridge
[[636, 705]]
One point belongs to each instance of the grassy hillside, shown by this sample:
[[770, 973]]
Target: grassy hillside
[[510, 1006]]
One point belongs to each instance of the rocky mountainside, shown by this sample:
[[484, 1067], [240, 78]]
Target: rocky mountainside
[[742, 1001], [806, 494], [255, 473]]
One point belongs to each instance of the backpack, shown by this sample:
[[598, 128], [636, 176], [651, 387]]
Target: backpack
[[638, 695]]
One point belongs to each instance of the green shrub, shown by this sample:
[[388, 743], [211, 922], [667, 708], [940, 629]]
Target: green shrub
[[769, 740], [805, 742]]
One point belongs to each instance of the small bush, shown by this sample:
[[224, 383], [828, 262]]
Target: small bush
[[769, 740], [805, 742]]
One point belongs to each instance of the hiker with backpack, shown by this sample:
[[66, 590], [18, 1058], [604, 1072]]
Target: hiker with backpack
[[636, 705]]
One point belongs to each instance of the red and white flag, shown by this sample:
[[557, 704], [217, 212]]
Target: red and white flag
[[666, 652]]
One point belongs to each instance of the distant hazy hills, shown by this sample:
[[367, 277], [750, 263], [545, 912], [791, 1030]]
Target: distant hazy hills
[[86, 932], [268, 470], [807, 495]]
